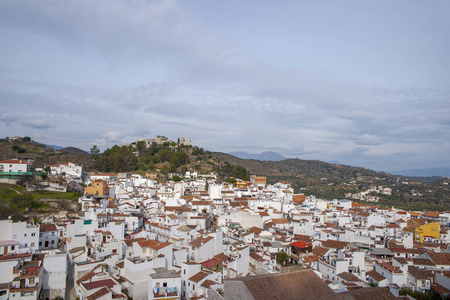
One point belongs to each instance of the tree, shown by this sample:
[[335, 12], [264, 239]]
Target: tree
[[95, 150], [141, 147], [282, 257]]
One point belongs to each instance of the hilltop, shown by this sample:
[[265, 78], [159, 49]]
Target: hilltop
[[28, 149]]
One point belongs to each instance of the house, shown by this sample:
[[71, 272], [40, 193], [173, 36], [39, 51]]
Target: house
[[164, 284], [49, 236], [15, 166], [97, 188]]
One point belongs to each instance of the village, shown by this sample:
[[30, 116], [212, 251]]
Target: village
[[138, 237]]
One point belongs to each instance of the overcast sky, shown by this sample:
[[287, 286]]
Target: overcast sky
[[365, 83]]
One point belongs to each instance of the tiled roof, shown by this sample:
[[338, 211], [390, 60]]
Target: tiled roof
[[101, 292], [256, 257], [199, 276], [375, 275], [379, 293], [15, 161], [303, 284], [208, 283], [221, 257], [419, 274], [320, 251], [100, 283], [423, 262], [334, 244], [211, 263], [130, 242], [301, 244], [47, 227], [200, 241], [348, 277], [440, 258]]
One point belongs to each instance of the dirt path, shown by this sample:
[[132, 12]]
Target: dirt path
[[16, 191]]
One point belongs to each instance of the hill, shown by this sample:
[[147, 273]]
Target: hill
[[303, 168], [334, 181], [268, 155], [26, 148]]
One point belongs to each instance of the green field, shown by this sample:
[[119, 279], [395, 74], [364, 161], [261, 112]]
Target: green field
[[16, 200]]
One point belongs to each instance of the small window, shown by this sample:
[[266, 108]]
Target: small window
[[53, 233], [164, 284], [31, 280], [40, 234], [33, 234]]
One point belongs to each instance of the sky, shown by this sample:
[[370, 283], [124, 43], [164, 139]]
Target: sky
[[363, 83]]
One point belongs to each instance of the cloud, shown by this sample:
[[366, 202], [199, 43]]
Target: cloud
[[38, 124]]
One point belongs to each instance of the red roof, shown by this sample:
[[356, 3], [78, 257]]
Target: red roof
[[301, 244], [15, 161], [100, 283], [211, 263]]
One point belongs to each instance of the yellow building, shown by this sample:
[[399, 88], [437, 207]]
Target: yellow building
[[423, 229], [97, 188], [241, 184]]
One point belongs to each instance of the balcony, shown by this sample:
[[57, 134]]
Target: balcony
[[161, 293]]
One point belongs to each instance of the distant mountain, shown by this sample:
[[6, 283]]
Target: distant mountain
[[74, 150], [265, 156], [54, 147], [443, 172]]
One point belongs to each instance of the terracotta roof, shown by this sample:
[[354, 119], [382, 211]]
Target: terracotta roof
[[200, 241], [172, 216], [256, 257], [416, 223], [101, 292], [302, 284], [301, 245], [431, 214], [419, 274], [303, 238], [280, 221], [221, 257], [99, 283], [334, 244], [440, 258], [208, 283], [211, 263], [47, 227], [153, 244], [310, 258], [15, 161], [130, 242], [298, 199], [320, 251], [199, 276], [379, 293], [256, 230], [423, 262], [375, 275], [348, 277]]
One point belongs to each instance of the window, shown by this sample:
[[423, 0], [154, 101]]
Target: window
[[53, 233], [33, 244], [184, 272], [53, 242], [157, 284], [12, 247], [40, 234], [40, 243], [164, 284], [31, 280], [25, 235], [14, 236], [33, 234], [26, 245]]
